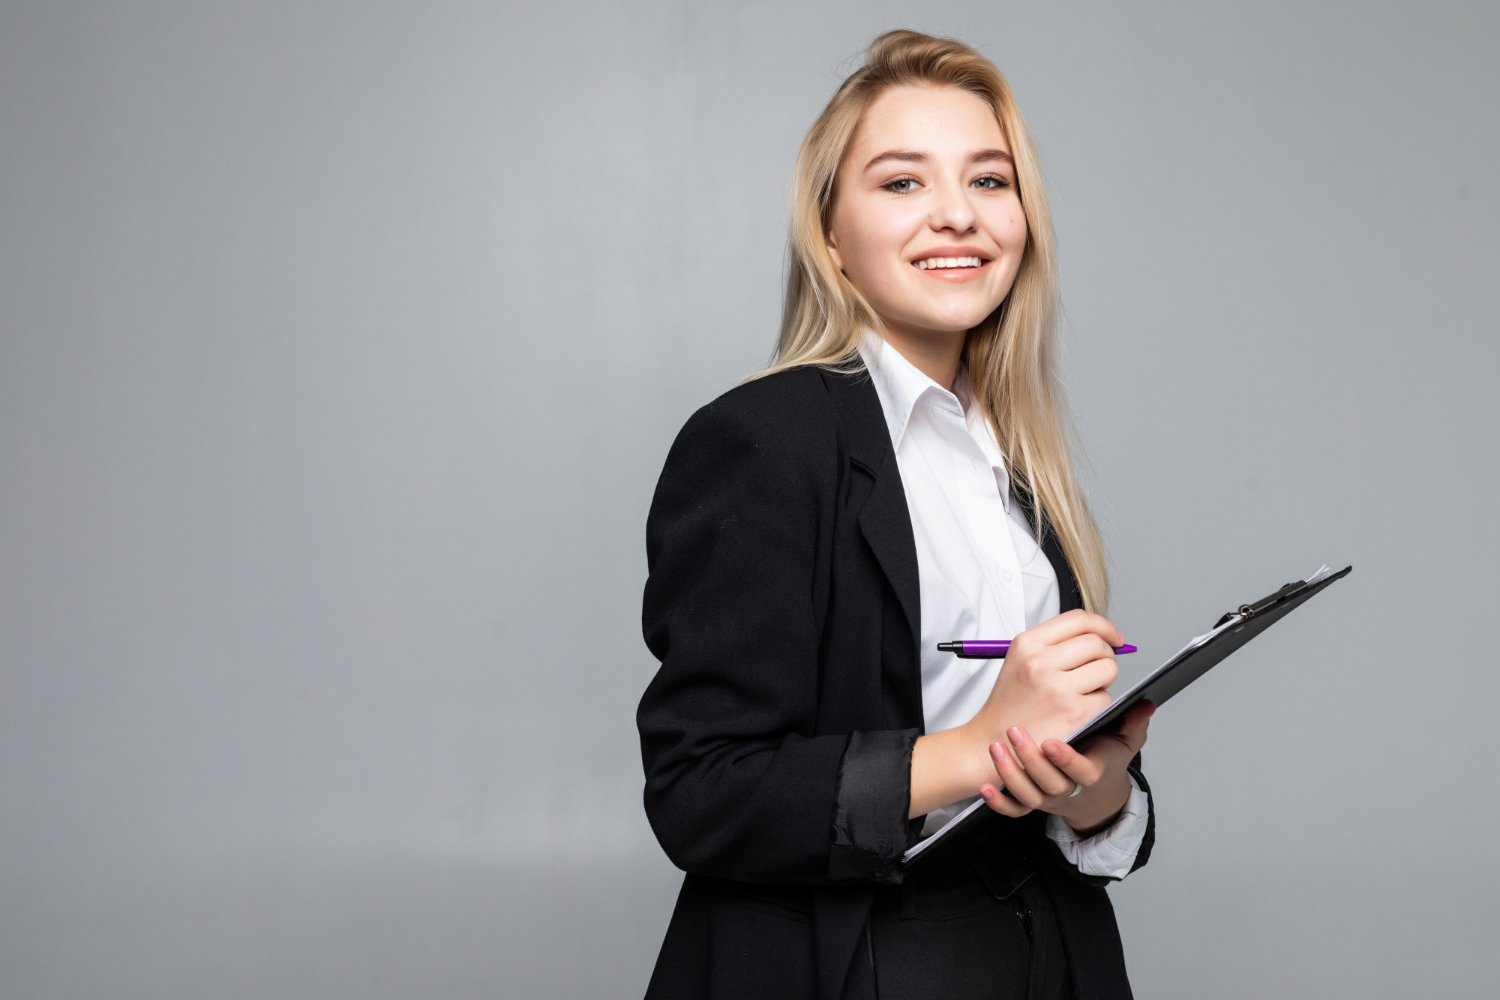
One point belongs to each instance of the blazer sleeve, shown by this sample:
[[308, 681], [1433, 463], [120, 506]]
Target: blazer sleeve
[[1149, 840], [738, 783]]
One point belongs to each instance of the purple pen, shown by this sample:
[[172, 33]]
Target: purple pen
[[992, 649]]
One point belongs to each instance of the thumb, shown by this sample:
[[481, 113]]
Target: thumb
[[1133, 730]]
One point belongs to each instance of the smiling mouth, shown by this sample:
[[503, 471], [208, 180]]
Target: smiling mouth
[[936, 263]]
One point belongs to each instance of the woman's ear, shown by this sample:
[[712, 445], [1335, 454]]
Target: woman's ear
[[833, 250]]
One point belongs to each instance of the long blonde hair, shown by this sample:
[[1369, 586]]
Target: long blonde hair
[[1012, 354]]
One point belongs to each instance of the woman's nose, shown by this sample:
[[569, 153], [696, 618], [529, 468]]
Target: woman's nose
[[953, 210]]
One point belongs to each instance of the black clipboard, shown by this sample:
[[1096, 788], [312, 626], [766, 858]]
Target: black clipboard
[[1191, 662]]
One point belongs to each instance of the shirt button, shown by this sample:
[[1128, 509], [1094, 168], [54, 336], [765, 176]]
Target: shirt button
[[1007, 575]]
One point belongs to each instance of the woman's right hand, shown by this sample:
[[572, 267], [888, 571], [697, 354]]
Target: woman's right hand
[[1055, 678]]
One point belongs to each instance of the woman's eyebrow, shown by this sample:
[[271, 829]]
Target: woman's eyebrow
[[914, 156], [991, 154], [905, 155]]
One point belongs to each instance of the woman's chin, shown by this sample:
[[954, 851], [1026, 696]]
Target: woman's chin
[[957, 320], [962, 309]]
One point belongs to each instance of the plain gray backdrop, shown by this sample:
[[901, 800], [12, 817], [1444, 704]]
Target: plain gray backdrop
[[341, 345]]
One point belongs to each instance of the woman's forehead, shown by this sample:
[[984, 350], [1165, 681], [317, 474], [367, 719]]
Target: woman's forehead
[[935, 121]]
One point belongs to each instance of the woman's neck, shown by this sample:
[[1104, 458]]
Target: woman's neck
[[934, 353]]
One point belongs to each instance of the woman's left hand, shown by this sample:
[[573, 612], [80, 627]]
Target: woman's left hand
[[1044, 777]]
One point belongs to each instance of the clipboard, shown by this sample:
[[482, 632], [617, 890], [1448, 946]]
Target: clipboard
[[1191, 662]]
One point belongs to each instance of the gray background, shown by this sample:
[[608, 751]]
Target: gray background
[[340, 347]]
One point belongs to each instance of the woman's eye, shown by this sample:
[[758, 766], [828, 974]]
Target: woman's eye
[[902, 185], [991, 183]]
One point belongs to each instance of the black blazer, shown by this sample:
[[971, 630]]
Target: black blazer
[[783, 604]]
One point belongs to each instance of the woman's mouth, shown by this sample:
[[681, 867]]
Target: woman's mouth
[[937, 263]]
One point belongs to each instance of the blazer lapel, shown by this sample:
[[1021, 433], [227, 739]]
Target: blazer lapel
[[886, 525], [1069, 595], [884, 519]]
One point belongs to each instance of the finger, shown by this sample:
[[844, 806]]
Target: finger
[[1074, 710], [1077, 622], [1017, 782], [1094, 702], [1070, 654], [1096, 675], [1083, 770], [1001, 803], [1126, 741], [1133, 729], [1042, 771]]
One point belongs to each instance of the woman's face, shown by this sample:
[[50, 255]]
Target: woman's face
[[926, 221]]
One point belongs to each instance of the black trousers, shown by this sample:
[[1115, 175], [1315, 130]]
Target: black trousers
[[974, 925]]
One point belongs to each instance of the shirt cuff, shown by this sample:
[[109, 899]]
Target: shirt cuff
[[1110, 852], [870, 827]]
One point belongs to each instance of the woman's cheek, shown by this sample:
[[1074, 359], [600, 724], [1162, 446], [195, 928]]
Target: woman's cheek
[[1012, 234], [895, 233], [876, 246]]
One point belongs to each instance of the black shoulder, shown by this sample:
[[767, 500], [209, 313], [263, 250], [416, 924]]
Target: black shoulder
[[771, 444], [798, 391], [790, 411]]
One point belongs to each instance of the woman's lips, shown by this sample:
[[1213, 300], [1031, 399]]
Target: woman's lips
[[952, 269], [930, 263]]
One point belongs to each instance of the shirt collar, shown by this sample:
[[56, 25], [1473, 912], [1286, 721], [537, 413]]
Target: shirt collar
[[901, 386]]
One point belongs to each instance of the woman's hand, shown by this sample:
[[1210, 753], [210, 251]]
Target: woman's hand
[[1055, 679], [1044, 777]]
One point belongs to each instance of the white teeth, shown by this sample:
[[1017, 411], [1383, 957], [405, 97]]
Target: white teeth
[[936, 262]]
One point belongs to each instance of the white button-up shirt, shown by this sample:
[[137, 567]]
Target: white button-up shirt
[[983, 575]]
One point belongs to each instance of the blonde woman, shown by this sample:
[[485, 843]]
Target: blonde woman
[[899, 477]]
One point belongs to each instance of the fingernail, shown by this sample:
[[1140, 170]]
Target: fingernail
[[1017, 735], [998, 749], [1052, 750]]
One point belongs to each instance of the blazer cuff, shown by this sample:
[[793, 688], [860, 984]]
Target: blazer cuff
[[1149, 841], [870, 827]]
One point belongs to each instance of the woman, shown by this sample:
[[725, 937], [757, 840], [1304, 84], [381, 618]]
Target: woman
[[818, 530]]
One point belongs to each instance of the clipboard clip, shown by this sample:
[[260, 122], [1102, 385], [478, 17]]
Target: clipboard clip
[[1251, 610], [1294, 589]]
